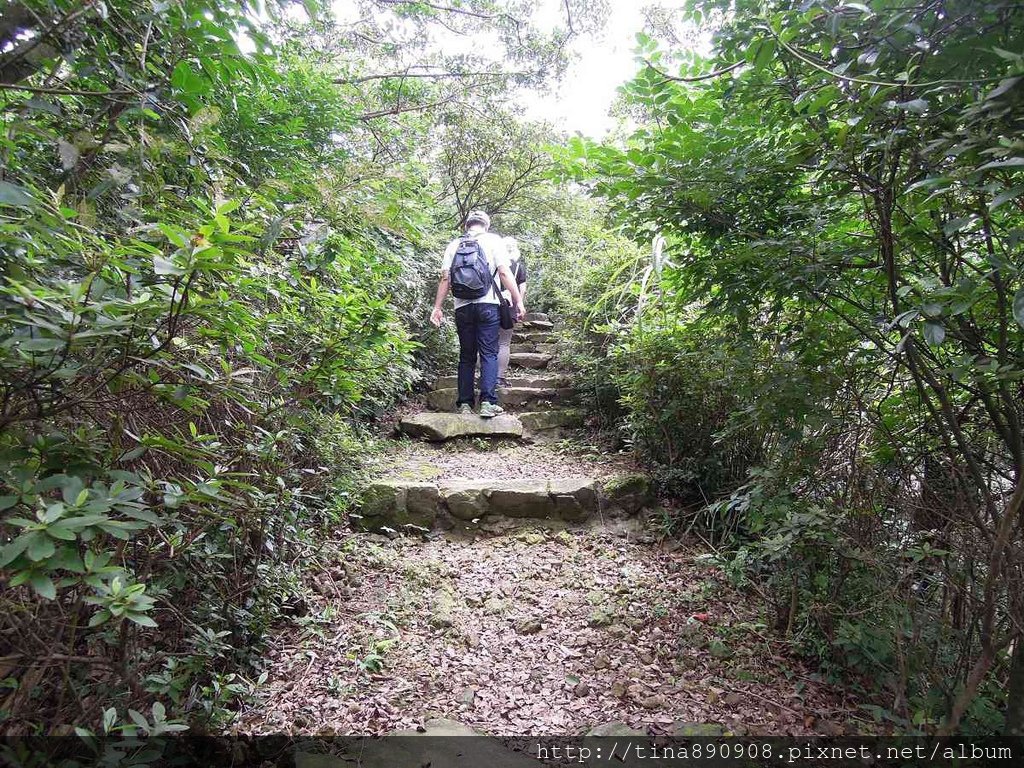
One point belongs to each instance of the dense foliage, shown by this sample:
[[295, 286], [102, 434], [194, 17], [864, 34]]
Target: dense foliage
[[219, 229], [220, 225], [829, 362], [191, 305]]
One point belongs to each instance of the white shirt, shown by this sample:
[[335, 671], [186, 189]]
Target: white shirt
[[511, 265], [495, 252]]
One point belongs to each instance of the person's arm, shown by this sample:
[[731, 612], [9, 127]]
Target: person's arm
[[522, 292], [442, 293], [509, 281], [444, 285]]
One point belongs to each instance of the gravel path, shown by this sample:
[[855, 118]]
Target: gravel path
[[535, 633], [466, 459]]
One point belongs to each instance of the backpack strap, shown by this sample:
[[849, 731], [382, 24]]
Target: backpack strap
[[494, 285]]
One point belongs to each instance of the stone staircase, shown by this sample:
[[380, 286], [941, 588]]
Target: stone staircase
[[538, 399], [540, 404]]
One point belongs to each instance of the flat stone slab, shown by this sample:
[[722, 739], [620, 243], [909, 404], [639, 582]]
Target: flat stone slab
[[537, 325], [532, 337], [539, 421], [446, 426], [532, 317], [510, 397], [550, 381], [570, 499], [400, 503], [529, 359]]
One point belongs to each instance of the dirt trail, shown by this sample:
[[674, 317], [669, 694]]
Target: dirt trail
[[547, 628], [536, 632]]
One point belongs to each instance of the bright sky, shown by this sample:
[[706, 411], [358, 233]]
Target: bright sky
[[582, 101]]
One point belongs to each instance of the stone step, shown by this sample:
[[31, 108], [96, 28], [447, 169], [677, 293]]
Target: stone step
[[399, 502], [529, 346], [509, 397], [540, 421], [529, 359], [536, 325], [541, 382], [438, 427], [533, 337], [533, 317]]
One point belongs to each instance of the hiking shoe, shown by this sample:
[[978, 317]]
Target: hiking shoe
[[464, 408], [488, 410]]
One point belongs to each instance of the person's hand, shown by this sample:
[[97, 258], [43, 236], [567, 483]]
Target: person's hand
[[520, 311], [436, 316]]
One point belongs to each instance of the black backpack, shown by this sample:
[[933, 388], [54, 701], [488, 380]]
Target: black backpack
[[470, 275]]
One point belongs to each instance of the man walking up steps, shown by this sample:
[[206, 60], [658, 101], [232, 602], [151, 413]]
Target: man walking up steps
[[472, 266]]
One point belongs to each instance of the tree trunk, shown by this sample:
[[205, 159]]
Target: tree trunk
[[1015, 692]]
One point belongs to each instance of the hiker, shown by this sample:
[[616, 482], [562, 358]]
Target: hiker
[[471, 268], [518, 266]]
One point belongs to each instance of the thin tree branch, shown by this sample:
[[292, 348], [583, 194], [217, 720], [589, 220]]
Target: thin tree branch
[[431, 75], [698, 78], [397, 110], [69, 91]]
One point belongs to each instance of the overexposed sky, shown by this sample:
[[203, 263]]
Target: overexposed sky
[[581, 101], [603, 62]]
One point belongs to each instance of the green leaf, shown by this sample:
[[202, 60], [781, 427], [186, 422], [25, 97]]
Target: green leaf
[[956, 225], [15, 548], [14, 195], [164, 266], [60, 531], [917, 106], [934, 334], [41, 345], [176, 236], [1018, 307], [142, 620], [42, 547], [1004, 86], [186, 80], [43, 586], [1005, 197], [100, 617], [1010, 162], [139, 719], [6, 502]]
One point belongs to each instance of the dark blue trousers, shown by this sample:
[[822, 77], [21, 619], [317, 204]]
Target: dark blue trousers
[[477, 325]]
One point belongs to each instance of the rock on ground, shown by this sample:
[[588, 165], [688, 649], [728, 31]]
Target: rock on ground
[[445, 426], [529, 359], [444, 399]]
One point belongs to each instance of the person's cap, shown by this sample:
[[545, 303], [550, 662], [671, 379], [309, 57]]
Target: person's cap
[[478, 216]]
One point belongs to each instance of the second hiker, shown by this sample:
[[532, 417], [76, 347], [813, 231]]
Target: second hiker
[[471, 267], [517, 264]]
